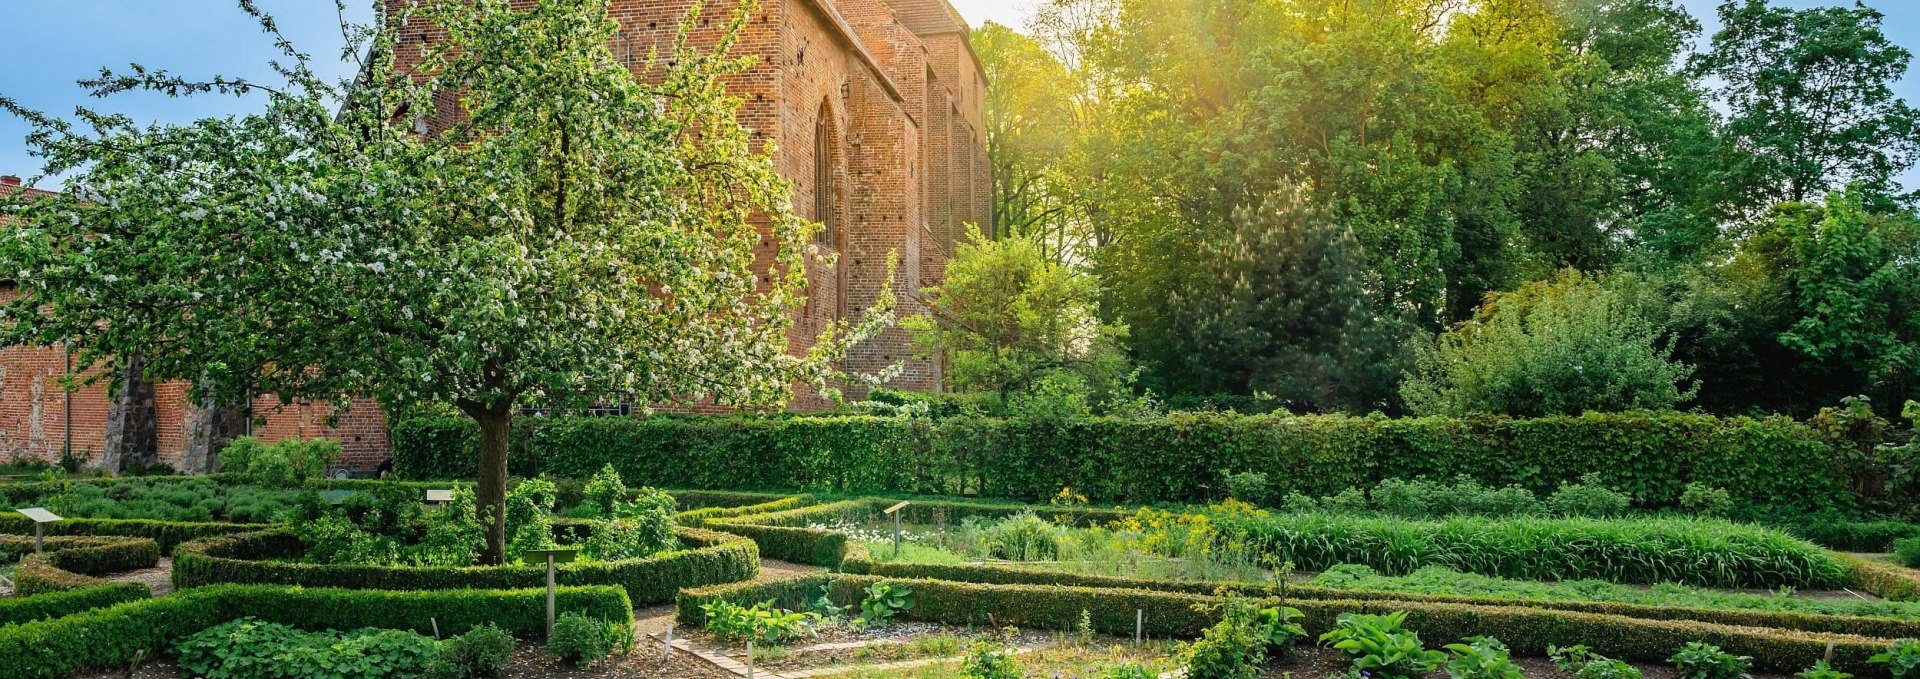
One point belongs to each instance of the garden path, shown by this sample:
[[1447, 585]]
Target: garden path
[[158, 578], [655, 619]]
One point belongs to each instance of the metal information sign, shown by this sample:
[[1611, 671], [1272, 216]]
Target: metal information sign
[[553, 557], [439, 495], [41, 518], [894, 511]]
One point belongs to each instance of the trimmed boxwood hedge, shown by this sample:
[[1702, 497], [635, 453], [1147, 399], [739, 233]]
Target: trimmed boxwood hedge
[[250, 558], [19, 609], [1003, 575], [168, 534], [1179, 458], [1884, 580], [67, 561], [1528, 631], [110, 637]]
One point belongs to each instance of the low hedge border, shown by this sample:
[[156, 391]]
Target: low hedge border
[[168, 534], [110, 637], [1882, 579], [69, 562], [1528, 631], [1889, 628], [20, 609], [712, 559], [700, 517]]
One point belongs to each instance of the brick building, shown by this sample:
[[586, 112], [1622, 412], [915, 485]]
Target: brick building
[[877, 111]]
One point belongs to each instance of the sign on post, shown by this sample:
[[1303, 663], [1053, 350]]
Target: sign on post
[[554, 557], [895, 512], [41, 518], [439, 495]]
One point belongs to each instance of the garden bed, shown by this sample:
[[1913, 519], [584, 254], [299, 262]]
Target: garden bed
[[260, 558]]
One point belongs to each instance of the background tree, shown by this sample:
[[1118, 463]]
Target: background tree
[[1031, 134], [1554, 347], [580, 234], [1811, 99], [1011, 320], [1285, 308]]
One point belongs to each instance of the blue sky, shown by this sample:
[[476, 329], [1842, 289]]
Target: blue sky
[[47, 44]]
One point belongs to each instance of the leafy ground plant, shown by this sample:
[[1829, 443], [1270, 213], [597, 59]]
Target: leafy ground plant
[[1481, 658], [1699, 660], [1821, 670], [1902, 661], [1583, 663], [1380, 646], [250, 649], [884, 601], [762, 622]]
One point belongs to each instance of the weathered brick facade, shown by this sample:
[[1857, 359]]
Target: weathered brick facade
[[876, 111]]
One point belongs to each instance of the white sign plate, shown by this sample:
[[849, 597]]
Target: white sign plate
[[39, 515], [439, 495]]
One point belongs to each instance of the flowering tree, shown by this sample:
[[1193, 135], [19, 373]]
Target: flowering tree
[[577, 232]]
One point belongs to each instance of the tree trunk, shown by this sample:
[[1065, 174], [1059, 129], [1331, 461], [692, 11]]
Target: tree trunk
[[491, 494]]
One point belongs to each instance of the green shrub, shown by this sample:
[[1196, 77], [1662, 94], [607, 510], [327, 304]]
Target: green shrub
[[1248, 487], [1481, 658], [578, 639], [1907, 552], [1230, 649], [250, 649], [1177, 458], [989, 659], [481, 653], [286, 463], [1706, 500], [1699, 660], [530, 517], [1590, 497]]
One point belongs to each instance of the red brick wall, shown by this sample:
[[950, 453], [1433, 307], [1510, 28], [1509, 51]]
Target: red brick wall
[[904, 97]]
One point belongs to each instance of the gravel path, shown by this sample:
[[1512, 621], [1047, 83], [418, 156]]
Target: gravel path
[[158, 578], [655, 619]]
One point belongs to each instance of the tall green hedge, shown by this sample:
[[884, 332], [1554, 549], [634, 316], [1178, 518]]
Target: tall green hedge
[[259, 558], [110, 637], [1653, 456]]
